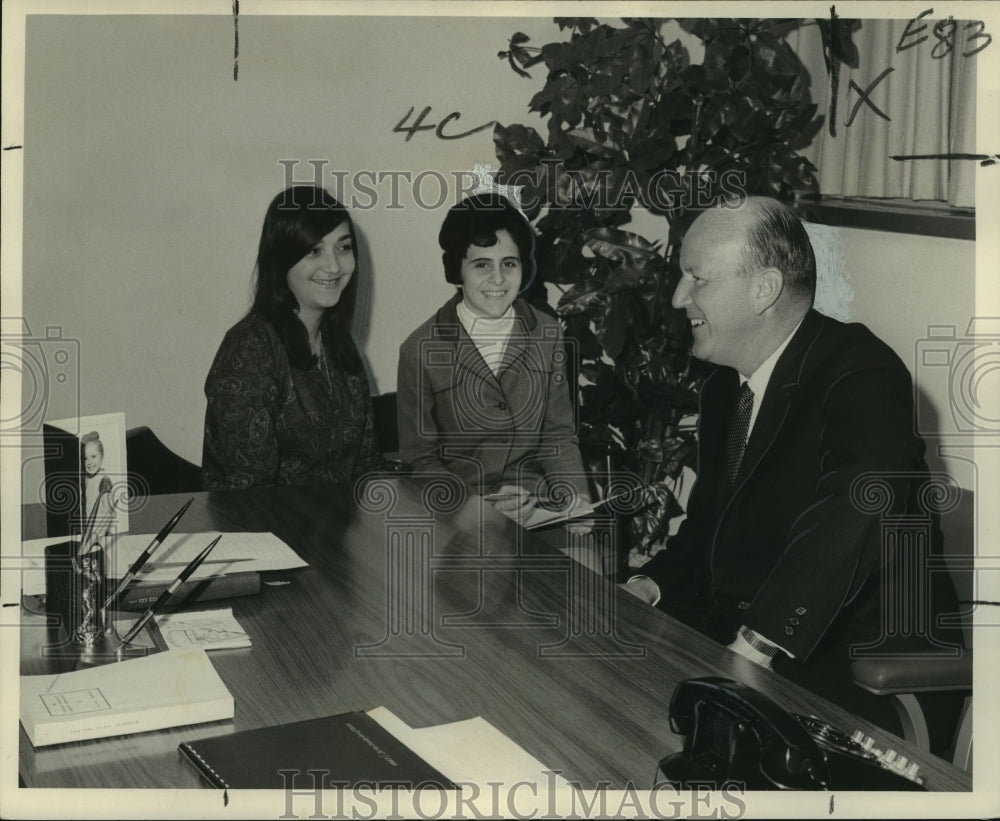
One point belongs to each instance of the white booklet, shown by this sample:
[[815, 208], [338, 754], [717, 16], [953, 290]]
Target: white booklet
[[168, 689]]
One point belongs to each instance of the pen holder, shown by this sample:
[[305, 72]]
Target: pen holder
[[75, 589]]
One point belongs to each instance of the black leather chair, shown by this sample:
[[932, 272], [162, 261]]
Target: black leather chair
[[903, 680], [386, 429], [155, 468]]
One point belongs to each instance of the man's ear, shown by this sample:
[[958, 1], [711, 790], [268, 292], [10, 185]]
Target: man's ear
[[769, 286]]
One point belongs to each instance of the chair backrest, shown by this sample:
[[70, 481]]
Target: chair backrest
[[958, 527], [154, 469], [386, 429]]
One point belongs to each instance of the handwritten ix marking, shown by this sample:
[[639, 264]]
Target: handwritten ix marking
[[863, 97]]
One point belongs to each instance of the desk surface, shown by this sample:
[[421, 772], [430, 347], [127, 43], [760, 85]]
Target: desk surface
[[438, 618]]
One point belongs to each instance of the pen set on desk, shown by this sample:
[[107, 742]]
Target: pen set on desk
[[165, 596], [140, 562], [88, 561], [144, 557], [81, 598]]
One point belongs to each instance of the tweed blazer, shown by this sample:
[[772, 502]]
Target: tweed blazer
[[515, 427]]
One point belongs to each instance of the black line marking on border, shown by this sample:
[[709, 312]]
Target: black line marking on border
[[236, 40], [983, 159]]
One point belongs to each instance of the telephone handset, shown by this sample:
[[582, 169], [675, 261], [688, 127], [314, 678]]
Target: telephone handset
[[737, 735]]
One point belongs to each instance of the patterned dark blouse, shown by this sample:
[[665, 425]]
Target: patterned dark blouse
[[268, 423]]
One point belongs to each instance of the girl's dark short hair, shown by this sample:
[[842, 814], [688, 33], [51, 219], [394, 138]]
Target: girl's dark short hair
[[476, 221], [296, 221]]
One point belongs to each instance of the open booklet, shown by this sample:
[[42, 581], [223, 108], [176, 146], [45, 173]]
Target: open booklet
[[540, 516]]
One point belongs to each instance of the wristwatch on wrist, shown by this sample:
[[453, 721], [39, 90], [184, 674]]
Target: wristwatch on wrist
[[757, 643]]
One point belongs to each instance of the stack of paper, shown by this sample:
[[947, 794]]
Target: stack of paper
[[237, 552]]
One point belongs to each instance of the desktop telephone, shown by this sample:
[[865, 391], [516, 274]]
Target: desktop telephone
[[736, 735]]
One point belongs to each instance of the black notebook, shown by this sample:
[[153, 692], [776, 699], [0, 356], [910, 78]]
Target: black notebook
[[352, 748]]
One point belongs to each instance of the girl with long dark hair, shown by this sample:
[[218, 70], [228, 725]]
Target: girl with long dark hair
[[288, 400]]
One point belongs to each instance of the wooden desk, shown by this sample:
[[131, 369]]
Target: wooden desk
[[439, 618]]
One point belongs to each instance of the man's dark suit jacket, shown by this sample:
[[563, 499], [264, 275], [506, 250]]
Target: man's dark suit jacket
[[790, 551]]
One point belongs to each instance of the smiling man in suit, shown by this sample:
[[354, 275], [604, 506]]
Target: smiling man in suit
[[774, 559]]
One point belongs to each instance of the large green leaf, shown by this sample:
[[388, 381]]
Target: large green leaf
[[621, 246]]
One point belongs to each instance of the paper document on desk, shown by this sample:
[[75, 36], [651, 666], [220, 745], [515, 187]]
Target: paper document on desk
[[471, 751], [236, 553], [211, 629], [168, 689]]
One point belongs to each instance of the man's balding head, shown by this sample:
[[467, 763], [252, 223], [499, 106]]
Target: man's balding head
[[749, 278]]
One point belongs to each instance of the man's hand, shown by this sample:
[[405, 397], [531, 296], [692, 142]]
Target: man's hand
[[741, 646], [643, 587]]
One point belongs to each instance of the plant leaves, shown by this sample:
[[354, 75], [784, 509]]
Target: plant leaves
[[620, 247], [614, 328], [583, 24]]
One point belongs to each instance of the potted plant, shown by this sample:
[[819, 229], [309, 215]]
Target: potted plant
[[634, 122]]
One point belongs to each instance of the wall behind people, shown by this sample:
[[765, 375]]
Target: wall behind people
[[148, 168]]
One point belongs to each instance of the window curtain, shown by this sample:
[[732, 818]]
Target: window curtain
[[924, 103]]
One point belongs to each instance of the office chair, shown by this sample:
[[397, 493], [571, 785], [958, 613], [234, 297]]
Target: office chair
[[901, 679], [387, 433], [156, 468], [384, 412]]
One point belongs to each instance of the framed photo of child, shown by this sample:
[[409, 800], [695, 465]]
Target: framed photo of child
[[89, 484]]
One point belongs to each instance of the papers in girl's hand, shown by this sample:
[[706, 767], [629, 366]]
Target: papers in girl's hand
[[539, 517]]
